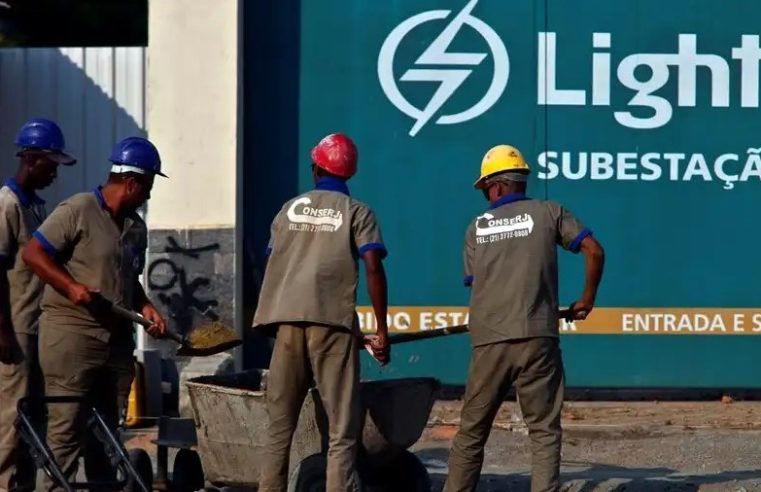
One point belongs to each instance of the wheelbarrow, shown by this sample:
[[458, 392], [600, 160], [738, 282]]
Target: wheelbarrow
[[134, 471], [231, 426], [230, 412]]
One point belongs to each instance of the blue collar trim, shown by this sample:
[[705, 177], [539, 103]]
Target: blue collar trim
[[99, 196], [513, 197], [25, 199], [329, 183]]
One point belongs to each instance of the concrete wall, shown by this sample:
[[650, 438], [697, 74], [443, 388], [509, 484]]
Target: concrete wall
[[192, 117], [192, 110]]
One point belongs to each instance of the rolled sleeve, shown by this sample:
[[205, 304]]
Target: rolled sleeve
[[575, 245], [366, 232], [46, 244], [570, 230], [373, 247]]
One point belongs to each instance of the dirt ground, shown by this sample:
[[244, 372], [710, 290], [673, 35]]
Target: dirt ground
[[726, 414], [629, 446], [650, 446]]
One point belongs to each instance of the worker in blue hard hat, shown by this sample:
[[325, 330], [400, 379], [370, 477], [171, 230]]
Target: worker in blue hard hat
[[41, 149], [92, 247]]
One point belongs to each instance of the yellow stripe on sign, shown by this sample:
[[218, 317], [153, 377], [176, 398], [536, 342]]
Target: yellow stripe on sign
[[602, 321]]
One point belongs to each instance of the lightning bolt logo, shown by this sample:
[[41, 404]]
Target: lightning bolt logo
[[449, 79]]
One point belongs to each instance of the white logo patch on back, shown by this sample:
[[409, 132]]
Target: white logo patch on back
[[490, 229], [304, 218]]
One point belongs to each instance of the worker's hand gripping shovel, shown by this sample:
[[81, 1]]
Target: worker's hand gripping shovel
[[205, 340], [376, 349]]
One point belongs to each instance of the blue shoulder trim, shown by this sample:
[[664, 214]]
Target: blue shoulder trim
[[576, 243], [371, 246], [49, 248]]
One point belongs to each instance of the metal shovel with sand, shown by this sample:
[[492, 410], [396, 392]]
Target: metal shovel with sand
[[207, 339]]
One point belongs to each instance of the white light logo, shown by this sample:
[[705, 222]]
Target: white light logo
[[449, 79]]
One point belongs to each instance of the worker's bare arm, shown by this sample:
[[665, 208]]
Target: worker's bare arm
[[378, 290], [594, 255]]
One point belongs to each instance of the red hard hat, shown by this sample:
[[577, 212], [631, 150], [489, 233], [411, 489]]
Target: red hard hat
[[336, 154]]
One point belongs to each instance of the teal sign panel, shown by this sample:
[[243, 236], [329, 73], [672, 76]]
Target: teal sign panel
[[642, 117]]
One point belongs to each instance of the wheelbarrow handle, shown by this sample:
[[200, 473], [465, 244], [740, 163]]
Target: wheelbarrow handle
[[450, 330], [136, 318]]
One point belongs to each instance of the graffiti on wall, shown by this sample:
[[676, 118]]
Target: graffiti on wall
[[180, 287]]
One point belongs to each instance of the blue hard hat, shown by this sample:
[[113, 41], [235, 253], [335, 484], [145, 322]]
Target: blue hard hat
[[136, 154], [43, 135]]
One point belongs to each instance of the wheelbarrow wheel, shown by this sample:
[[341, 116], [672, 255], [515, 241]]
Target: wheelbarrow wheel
[[311, 473], [141, 462], [405, 474], [187, 473]]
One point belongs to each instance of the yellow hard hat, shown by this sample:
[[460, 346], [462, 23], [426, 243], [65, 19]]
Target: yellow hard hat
[[500, 159]]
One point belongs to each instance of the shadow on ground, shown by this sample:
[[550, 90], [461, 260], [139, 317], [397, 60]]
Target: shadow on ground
[[593, 477]]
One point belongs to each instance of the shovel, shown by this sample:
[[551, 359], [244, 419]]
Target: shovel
[[450, 330], [205, 340]]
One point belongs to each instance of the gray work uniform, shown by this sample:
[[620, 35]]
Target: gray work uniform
[[20, 215], [309, 295], [84, 353], [510, 261]]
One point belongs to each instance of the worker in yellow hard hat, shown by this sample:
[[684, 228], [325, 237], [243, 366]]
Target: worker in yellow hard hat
[[511, 266], [502, 159]]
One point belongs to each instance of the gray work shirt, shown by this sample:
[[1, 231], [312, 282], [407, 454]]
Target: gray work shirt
[[312, 270], [84, 238], [511, 264], [20, 215]]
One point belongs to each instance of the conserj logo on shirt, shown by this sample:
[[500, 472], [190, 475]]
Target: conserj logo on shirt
[[490, 229], [305, 218]]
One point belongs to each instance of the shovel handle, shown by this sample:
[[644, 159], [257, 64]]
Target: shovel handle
[[136, 318], [130, 315], [450, 330], [173, 335], [423, 335]]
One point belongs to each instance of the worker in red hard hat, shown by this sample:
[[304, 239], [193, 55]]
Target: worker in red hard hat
[[308, 298]]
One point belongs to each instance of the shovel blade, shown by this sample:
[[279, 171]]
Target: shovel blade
[[209, 339], [189, 351]]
